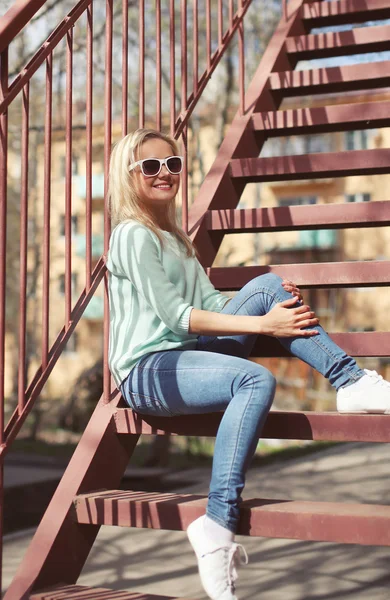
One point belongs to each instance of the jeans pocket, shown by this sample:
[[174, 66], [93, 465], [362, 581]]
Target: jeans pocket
[[147, 405]]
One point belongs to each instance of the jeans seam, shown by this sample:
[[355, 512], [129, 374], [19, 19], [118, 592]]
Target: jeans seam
[[333, 356], [196, 369], [256, 291], [151, 405], [266, 290], [167, 409], [220, 521], [235, 449]]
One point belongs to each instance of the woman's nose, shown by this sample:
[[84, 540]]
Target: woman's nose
[[164, 170]]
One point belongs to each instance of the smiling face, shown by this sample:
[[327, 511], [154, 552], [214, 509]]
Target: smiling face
[[159, 191]]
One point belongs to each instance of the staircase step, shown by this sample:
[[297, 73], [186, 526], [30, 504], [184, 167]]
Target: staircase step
[[337, 12], [307, 275], [331, 79], [303, 520], [318, 426], [366, 343], [339, 43], [311, 166], [81, 592], [292, 218], [322, 119]]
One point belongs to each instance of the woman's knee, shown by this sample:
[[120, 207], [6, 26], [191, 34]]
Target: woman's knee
[[264, 382], [271, 386], [269, 280]]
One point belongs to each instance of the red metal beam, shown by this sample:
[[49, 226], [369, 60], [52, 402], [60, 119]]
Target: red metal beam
[[82, 592], [368, 343], [311, 166], [344, 11], [339, 43], [318, 426], [16, 421], [308, 275], [212, 63], [293, 519], [3, 237], [60, 547], [331, 79], [39, 57], [108, 84], [217, 189], [323, 119], [22, 375], [290, 218], [16, 18]]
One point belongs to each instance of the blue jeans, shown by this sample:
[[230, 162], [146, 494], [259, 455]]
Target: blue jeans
[[183, 382]]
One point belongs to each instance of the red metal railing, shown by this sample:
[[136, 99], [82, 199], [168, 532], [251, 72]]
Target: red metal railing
[[174, 105]]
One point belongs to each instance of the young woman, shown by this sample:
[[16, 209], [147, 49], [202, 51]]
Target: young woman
[[165, 320]]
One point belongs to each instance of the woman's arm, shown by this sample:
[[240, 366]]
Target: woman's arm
[[281, 321]]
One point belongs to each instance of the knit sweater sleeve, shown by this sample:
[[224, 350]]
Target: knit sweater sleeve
[[211, 298], [135, 254]]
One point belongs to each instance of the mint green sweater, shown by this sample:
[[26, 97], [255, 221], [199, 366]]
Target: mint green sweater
[[151, 294]]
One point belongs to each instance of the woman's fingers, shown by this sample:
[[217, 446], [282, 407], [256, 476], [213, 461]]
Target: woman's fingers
[[308, 323], [291, 287], [309, 315], [289, 302], [302, 309], [308, 333]]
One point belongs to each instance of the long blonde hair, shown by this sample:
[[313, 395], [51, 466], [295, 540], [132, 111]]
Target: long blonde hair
[[124, 204]]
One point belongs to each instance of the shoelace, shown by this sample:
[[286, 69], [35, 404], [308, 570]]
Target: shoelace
[[378, 378], [234, 559]]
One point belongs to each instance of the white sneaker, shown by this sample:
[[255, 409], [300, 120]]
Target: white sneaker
[[217, 564], [370, 394]]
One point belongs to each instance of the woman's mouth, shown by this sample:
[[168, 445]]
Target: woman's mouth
[[163, 186]]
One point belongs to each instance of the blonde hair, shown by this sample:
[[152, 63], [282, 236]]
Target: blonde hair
[[124, 203]]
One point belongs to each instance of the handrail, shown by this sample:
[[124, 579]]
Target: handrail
[[16, 18], [10, 25]]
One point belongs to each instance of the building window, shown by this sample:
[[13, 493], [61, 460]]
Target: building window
[[75, 165], [297, 201], [358, 197], [317, 143], [71, 344], [74, 225], [356, 140], [61, 283], [298, 145]]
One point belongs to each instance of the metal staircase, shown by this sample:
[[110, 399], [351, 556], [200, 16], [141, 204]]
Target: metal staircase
[[66, 534]]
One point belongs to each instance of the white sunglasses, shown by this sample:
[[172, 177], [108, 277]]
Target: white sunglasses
[[151, 167]]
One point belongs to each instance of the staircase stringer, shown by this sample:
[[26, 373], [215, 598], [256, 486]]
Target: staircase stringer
[[60, 546], [218, 190]]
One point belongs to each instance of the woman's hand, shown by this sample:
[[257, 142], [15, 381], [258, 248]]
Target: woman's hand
[[291, 287], [285, 321]]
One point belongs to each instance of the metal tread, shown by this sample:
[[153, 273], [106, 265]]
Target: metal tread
[[331, 79], [318, 165], [344, 11], [323, 119], [289, 425], [339, 43], [81, 592], [291, 218], [277, 518], [369, 273]]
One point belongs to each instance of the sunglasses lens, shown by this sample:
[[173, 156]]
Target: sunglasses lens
[[151, 166], [174, 165]]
